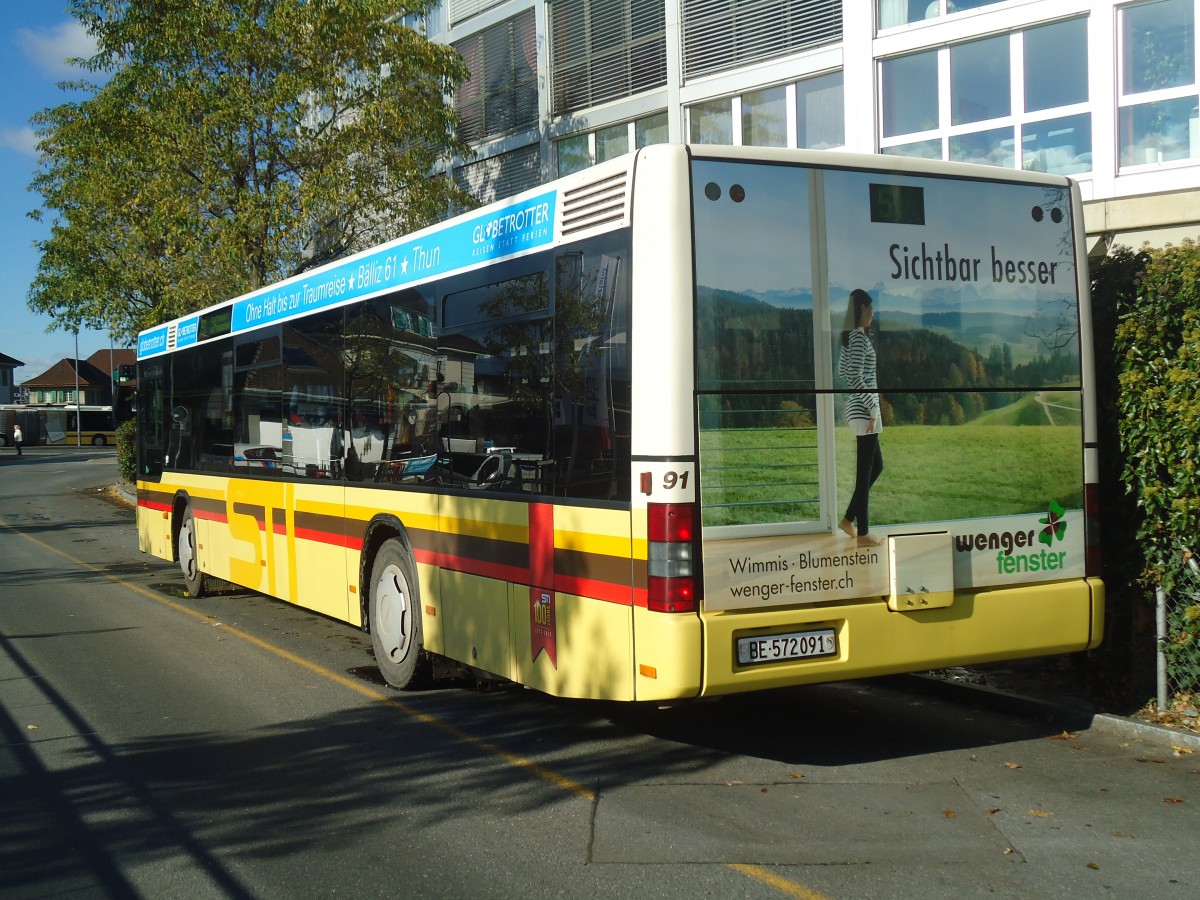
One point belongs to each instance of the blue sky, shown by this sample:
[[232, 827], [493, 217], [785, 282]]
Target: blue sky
[[36, 39]]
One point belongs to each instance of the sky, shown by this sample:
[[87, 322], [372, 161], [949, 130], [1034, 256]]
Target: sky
[[36, 39]]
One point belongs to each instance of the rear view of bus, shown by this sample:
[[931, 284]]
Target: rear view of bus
[[973, 543]]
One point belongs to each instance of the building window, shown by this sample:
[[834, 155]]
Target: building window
[[719, 35], [821, 112], [1016, 101], [501, 94], [603, 50], [1159, 115], [578, 151], [809, 114], [711, 122], [893, 13], [461, 10], [502, 175], [764, 118]]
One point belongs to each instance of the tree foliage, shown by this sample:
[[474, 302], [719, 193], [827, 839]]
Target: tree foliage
[[230, 144]]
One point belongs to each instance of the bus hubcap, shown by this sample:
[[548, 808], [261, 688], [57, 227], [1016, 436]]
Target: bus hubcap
[[393, 613]]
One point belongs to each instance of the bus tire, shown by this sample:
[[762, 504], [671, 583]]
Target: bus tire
[[194, 581], [394, 615], [98, 440]]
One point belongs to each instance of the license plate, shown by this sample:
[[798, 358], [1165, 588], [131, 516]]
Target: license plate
[[779, 647]]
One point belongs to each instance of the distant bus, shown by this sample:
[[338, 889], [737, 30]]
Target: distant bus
[[58, 425], [590, 439]]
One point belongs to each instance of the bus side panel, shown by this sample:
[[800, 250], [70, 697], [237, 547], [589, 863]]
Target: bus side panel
[[572, 646], [475, 626], [669, 655], [988, 626], [154, 520], [323, 575]]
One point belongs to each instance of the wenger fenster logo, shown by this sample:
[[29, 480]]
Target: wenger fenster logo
[[1017, 550]]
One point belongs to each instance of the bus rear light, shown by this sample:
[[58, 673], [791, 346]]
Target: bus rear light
[[670, 521], [671, 583], [671, 595]]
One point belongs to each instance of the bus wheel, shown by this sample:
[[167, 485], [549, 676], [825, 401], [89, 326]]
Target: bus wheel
[[98, 440], [395, 618], [185, 550]]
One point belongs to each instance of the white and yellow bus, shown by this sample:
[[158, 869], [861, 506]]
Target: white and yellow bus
[[61, 425], [590, 438]]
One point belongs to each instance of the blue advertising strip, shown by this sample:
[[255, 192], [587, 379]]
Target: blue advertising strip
[[153, 342], [187, 332], [503, 233], [491, 236]]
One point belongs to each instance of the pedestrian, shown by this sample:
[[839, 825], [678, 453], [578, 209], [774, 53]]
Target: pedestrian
[[18, 438]]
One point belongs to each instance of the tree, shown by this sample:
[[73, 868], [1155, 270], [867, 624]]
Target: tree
[[232, 144]]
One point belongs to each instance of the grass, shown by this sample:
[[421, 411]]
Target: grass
[[931, 473]]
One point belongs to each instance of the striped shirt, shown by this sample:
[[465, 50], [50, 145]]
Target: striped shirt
[[857, 368]]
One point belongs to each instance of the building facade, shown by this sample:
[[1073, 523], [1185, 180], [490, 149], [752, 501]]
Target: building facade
[[1107, 92], [8, 366]]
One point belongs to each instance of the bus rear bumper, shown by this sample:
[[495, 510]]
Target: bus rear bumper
[[871, 640]]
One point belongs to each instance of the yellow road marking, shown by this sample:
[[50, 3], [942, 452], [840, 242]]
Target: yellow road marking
[[766, 876], [758, 873]]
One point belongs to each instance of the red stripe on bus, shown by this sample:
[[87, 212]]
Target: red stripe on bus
[[349, 542], [157, 507], [541, 544], [608, 592], [209, 516]]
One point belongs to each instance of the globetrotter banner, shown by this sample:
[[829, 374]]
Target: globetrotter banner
[[497, 234]]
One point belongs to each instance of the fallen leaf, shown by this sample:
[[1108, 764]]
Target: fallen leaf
[[1065, 736], [1121, 834], [795, 775], [948, 813], [1093, 865], [764, 790], [1181, 751], [1040, 813], [31, 728], [1172, 799], [1008, 850], [1124, 746], [992, 810], [1012, 765], [732, 783]]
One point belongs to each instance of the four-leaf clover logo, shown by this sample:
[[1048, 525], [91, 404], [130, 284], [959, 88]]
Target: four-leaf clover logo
[[1055, 527]]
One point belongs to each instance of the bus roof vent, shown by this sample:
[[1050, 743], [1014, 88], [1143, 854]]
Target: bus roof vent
[[172, 335], [602, 201]]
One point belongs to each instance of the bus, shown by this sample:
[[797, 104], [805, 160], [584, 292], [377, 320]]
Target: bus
[[591, 439], [61, 425]]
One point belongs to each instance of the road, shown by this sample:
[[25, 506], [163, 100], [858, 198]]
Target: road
[[153, 745]]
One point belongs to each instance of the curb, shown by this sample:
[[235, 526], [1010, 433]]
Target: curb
[[1133, 729], [1070, 714]]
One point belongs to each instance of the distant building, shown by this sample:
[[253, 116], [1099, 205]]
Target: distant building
[[111, 361], [58, 384], [7, 382]]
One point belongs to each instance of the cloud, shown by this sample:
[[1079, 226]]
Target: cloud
[[51, 48], [23, 140]]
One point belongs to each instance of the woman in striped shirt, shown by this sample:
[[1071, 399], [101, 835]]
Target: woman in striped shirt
[[856, 366]]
